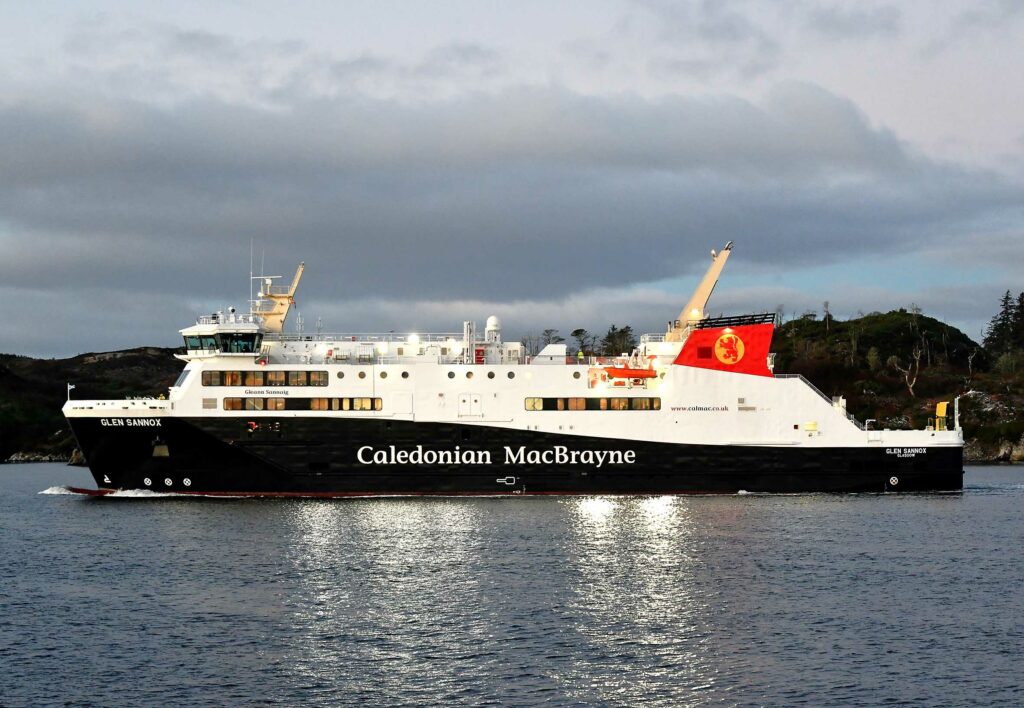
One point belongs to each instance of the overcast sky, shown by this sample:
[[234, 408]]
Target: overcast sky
[[559, 167]]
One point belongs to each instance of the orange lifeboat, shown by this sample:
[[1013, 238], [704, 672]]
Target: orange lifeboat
[[624, 372]]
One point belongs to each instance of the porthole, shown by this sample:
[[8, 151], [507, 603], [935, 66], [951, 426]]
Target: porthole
[[511, 374], [575, 374], [405, 374], [362, 374], [451, 374], [490, 374], [341, 374], [383, 374], [469, 374]]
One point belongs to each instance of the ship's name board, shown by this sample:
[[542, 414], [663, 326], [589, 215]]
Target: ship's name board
[[906, 451], [131, 422], [556, 455]]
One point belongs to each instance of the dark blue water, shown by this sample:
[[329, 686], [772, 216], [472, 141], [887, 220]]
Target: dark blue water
[[729, 600]]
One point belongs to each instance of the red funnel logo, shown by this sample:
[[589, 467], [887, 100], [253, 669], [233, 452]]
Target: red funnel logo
[[729, 349]]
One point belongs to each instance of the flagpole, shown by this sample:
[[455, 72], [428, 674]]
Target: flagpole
[[70, 386]]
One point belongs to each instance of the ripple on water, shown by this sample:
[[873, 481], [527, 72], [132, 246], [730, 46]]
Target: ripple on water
[[722, 600]]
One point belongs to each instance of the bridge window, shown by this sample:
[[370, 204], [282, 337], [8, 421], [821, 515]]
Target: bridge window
[[276, 378], [254, 378], [297, 378], [240, 343]]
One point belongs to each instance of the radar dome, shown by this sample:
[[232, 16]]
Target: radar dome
[[493, 330]]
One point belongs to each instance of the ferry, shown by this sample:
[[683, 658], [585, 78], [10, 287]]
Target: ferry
[[697, 409]]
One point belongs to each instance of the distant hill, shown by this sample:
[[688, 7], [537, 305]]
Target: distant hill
[[32, 392]]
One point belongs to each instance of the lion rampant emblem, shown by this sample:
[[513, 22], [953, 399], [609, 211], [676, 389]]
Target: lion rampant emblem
[[729, 349]]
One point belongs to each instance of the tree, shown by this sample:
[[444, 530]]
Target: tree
[[583, 340], [531, 344], [550, 336], [874, 359], [618, 341], [1017, 323], [999, 335], [911, 371]]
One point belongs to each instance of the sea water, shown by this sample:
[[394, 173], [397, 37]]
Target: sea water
[[722, 600]]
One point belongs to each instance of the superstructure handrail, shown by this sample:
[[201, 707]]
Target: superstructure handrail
[[804, 379], [439, 337], [736, 320]]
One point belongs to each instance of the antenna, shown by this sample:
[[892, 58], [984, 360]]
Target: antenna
[[250, 275], [319, 326], [299, 322]]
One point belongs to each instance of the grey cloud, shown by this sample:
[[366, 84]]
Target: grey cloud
[[709, 37], [844, 22], [546, 189], [987, 14], [984, 18]]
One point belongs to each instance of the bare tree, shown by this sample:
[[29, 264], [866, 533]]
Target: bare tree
[[970, 368], [531, 343], [911, 371], [915, 312]]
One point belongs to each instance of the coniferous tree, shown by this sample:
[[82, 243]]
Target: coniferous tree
[[1017, 325], [1000, 327], [618, 341]]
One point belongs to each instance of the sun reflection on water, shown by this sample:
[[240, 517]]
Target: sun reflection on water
[[379, 579], [636, 595]]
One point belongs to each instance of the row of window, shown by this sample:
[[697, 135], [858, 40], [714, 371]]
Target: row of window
[[264, 378], [593, 404], [302, 404]]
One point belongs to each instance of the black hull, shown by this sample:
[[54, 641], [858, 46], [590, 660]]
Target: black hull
[[316, 456]]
